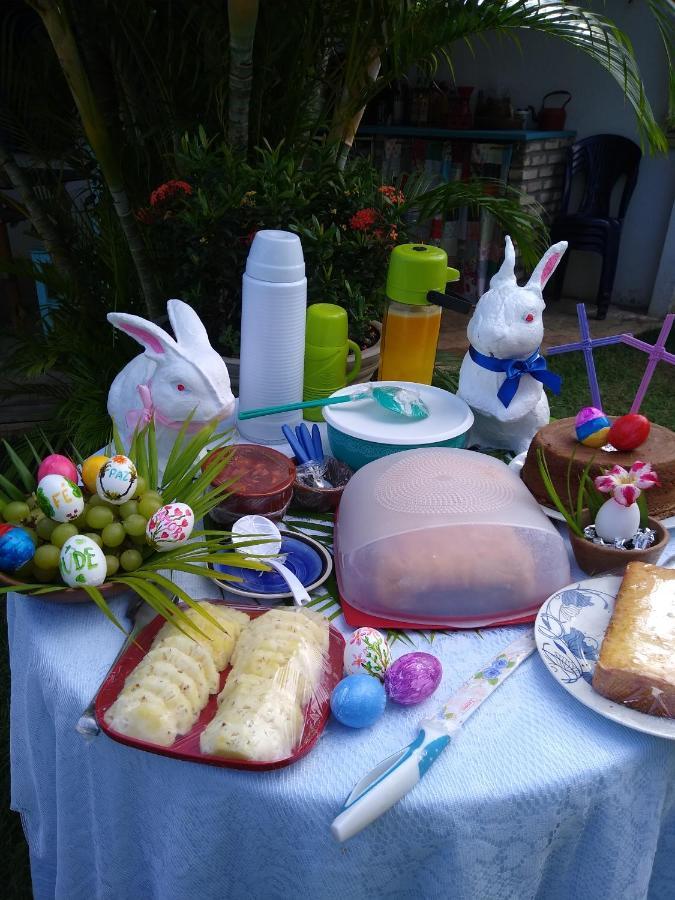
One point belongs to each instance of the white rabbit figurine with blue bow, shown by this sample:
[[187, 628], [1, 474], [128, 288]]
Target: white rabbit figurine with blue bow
[[171, 379], [503, 375]]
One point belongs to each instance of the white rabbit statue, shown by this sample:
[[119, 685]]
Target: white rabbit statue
[[170, 380], [502, 377]]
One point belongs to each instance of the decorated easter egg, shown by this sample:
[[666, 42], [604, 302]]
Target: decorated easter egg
[[16, 548], [82, 562], [57, 465], [412, 678], [90, 469], [116, 480], [367, 651], [628, 432], [592, 427], [358, 701], [615, 522], [170, 526], [59, 498]]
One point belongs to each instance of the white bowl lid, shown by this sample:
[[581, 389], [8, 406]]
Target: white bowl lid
[[448, 417]]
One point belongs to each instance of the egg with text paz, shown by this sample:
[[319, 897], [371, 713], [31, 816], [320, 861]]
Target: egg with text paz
[[55, 464], [116, 480], [592, 427], [16, 548], [82, 562], [629, 431], [59, 498]]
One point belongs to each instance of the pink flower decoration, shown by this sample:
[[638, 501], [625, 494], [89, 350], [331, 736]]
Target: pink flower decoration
[[626, 486], [355, 639]]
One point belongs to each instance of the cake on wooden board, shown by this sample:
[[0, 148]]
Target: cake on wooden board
[[558, 442], [637, 658]]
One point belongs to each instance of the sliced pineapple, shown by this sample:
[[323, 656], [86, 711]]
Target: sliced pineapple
[[197, 651], [184, 664], [143, 716], [217, 642], [185, 714], [168, 672], [247, 740]]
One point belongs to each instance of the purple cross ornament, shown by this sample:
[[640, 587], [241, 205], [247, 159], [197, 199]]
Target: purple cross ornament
[[586, 345], [656, 352]]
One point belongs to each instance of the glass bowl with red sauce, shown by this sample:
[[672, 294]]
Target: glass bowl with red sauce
[[262, 483]]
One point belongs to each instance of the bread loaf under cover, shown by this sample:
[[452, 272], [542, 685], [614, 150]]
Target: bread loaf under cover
[[637, 658]]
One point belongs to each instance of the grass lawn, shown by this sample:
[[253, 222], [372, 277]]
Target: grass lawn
[[619, 369]]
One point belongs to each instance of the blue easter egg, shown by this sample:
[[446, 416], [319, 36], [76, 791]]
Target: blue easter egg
[[592, 427], [358, 700], [16, 548]]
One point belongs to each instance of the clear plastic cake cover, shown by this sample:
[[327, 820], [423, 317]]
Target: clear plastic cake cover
[[444, 537]]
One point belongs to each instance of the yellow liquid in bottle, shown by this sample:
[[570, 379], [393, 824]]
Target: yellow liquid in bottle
[[409, 342]]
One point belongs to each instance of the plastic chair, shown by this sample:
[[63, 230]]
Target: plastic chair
[[602, 160]]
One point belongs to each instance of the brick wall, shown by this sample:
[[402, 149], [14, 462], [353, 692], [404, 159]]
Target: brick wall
[[538, 169]]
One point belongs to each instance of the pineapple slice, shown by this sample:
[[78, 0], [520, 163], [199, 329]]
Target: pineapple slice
[[196, 651], [167, 672], [184, 664], [185, 714], [217, 642], [143, 716], [239, 740]]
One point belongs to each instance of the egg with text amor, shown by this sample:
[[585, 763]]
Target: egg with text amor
[[82, 562], [116, 480], [170, 526], [59, 498]]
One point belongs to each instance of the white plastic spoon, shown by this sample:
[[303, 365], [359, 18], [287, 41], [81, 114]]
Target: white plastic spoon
[[249, 527]]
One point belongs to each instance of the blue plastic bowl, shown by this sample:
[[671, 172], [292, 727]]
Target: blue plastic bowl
[[361, 432], [357, 452]]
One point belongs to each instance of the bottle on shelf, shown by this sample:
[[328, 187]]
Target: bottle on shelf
[[436, 233]]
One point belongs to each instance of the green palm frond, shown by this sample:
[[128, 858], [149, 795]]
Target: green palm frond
[[409, 34]]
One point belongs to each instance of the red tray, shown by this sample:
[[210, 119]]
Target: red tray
[[187, 746]]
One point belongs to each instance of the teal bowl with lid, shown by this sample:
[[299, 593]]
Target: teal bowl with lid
[[363, 431]]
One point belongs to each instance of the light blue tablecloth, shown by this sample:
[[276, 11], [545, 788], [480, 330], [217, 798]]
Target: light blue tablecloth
[[539, 797]]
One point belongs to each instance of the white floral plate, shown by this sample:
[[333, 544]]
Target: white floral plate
[[569, 629], [517, 464]]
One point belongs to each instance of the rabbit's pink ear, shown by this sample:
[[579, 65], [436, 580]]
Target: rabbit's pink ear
[[547, 266], [155, 340]]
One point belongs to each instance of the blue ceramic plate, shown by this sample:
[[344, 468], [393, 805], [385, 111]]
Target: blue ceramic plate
[[306, 558], [569, 630]]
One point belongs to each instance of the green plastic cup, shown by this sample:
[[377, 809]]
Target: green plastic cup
[[327, 346]]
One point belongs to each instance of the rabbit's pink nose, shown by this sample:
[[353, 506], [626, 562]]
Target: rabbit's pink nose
[[529, 317]]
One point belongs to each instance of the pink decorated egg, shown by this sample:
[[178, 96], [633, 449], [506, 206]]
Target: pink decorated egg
[[367, 651], [592, 427], [55, 464], [412, 678], [170, 526]]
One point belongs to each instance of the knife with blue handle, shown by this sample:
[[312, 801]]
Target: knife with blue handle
[[392, 778]]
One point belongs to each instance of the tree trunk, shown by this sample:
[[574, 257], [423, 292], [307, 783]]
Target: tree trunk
[[98, 135], [345, 132], [37, 214], [243, 16]]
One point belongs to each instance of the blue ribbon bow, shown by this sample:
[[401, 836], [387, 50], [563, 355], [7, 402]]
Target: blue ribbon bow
[[514, 369]]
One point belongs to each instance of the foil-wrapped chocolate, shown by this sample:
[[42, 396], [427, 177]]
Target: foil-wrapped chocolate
[[643, 539]]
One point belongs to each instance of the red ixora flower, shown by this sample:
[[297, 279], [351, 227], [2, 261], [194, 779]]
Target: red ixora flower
[[363, 219], [391, 193], [168, 191]]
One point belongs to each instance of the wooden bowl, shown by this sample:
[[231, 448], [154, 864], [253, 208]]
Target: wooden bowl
[[598, 559], [110, 590], [324, 499]]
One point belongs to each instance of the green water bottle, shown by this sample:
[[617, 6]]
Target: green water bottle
[[326, 350]]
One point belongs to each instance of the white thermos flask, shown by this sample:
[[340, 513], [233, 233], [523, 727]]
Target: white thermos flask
[[273, 312]]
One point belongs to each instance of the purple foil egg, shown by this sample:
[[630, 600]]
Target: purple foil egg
[[412, 678]]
